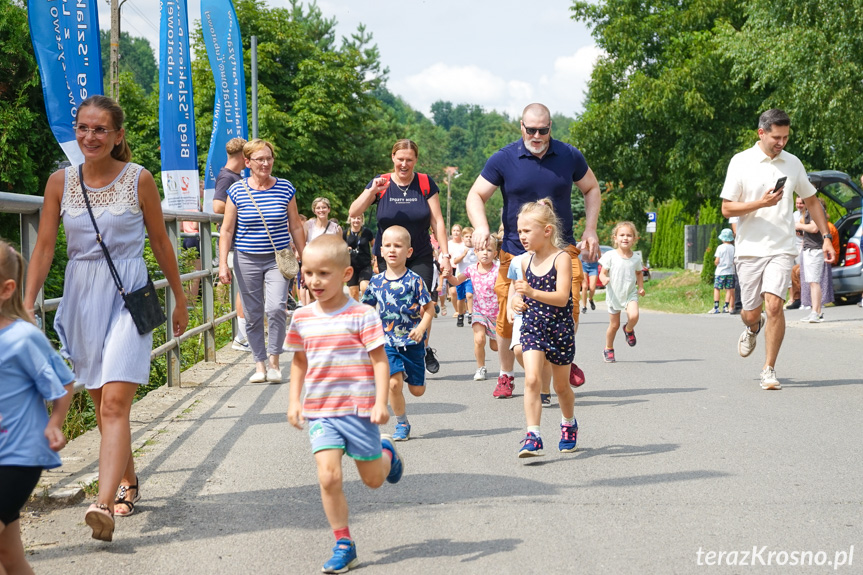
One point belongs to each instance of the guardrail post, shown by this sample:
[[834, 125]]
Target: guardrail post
[[207, 296], [174, 357], [29, 228]]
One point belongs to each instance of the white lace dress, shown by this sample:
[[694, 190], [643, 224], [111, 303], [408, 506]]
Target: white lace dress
[[95, 329]]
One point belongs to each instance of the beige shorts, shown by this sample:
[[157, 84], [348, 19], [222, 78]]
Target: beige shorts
[[812, 262], [771, 274]]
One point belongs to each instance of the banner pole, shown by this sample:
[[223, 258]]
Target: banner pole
[[254, 87]]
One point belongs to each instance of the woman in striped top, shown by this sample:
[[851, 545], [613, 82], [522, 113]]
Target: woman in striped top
[[262, 211]]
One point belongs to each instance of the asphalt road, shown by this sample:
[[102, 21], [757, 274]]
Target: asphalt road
[[681, 454]]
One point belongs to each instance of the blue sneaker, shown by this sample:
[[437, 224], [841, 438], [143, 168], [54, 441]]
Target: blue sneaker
[[531, 446], [397, 465], [568, 438], [344, 557], [402, 432]]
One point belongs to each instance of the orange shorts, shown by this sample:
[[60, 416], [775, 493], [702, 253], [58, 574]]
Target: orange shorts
[[501, 289]]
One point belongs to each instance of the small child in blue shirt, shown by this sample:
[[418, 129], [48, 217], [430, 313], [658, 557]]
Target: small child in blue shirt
[[406, 310], [31, 372]]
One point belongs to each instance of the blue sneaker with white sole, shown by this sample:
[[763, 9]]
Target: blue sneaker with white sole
[[531, 446], [568, 438], [397, 465], [344, 557], [402, 432]]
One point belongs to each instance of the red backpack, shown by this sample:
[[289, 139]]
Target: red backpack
[[424, 184]]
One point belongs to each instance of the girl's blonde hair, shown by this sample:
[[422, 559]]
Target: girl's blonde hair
[[542, 212], [12, 268], [619, 225]]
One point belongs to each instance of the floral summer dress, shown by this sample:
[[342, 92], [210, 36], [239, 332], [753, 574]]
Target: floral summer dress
[[95, 329], [548, 328]]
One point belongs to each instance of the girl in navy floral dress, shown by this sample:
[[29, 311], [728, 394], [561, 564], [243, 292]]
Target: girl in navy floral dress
[[547, 332]]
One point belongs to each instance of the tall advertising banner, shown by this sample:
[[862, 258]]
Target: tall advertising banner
[[177, 111], [225, 52], [65, 36]]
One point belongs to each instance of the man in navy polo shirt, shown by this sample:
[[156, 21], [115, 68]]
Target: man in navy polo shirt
[[534, 167]]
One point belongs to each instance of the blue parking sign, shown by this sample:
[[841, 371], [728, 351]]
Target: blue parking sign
[[651, 216]]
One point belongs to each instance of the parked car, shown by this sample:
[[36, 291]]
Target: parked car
[[645, 271], [844, 191]]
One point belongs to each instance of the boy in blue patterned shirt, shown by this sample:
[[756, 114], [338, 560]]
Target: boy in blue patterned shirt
[[406, 310]]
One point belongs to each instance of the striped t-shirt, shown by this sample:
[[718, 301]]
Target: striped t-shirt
[[339, 380], [251, 236]]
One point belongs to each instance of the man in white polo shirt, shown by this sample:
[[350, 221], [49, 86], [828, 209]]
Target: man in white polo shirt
[[764, 246]]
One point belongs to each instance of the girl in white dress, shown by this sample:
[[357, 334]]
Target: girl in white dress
[[624, 282]]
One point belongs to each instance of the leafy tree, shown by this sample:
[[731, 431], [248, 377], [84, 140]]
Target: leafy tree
[[807, 58], [315, 99], [663, 113], [28, 150], [136, 58]]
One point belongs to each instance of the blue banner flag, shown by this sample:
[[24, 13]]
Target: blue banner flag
[[177, 111], [225, 51], [65, 36]]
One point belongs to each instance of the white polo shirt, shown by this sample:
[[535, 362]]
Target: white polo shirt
[[766, 231]]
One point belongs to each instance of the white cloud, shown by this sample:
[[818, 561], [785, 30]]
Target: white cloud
[[568, 83]]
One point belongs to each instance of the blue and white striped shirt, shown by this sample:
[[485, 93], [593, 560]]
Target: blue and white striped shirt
[[251, 236]]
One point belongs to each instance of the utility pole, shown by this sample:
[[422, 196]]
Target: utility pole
[[114, 90], [451, 174]]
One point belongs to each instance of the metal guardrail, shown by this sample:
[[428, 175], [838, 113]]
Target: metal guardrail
[[29, 208]]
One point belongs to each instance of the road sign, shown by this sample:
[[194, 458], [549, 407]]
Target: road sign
[[651, 217], [651, 226]]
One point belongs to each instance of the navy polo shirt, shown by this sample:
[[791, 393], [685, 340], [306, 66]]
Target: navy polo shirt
[[410, 210], [523, 178]]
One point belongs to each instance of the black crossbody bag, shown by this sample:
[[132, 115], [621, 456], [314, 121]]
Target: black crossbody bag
[[143, 304]]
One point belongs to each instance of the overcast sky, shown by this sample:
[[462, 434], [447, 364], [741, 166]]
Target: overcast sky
[[500, 54]]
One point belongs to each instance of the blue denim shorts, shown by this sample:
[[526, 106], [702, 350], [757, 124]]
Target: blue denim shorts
[[357, 436], [410, 359], [464, 288], [590, 268]]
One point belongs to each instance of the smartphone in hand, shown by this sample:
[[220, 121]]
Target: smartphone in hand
[[780, 183]]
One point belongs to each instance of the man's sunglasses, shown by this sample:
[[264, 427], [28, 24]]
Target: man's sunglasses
[[532, 131]]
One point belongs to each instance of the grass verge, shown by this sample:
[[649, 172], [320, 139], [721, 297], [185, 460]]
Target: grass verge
[[684, 292]]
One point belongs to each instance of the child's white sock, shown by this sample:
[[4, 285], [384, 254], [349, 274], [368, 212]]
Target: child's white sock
[[534, 429], [241, 328], [508, 373], [567, 422]]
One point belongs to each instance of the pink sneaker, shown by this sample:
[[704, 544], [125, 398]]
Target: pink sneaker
[[504, 387], [608, 355], [576, 376]]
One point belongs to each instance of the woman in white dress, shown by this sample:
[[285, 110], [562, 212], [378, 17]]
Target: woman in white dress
[[97, 333]]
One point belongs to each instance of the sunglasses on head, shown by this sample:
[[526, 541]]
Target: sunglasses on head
[[532, 131]]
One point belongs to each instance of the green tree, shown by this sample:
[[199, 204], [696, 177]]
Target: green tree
[[28, 149], [806, 57], [662, 114], [136, 58], [315, 99]]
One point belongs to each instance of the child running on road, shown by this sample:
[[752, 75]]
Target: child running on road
[[624, 282], [31, 372], [547, 330], [406, 310], [482, 275], [339, 357]]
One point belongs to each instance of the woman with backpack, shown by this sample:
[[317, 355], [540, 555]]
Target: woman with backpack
[[408, 199]]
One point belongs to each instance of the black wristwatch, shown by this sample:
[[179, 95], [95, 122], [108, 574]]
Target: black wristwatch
[[828, 237]]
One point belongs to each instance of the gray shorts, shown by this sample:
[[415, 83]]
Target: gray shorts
[[812, 262], [757, 276]]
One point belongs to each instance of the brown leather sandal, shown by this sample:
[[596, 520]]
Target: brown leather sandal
[[121, 499], [100, 519]]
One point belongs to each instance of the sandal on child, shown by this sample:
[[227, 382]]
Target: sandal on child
[[122, 494], [101, 521]]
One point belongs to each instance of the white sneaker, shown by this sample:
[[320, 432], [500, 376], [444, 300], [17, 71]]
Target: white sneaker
[[274, 375], [747, 340], [812, 318], [714, 311], [241, 345], [768, 379], [480, 374], [259, 377]]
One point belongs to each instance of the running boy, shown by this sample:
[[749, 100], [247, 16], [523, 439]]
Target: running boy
[[406, 310], [339, 357], [464, 291], [723, 277]]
